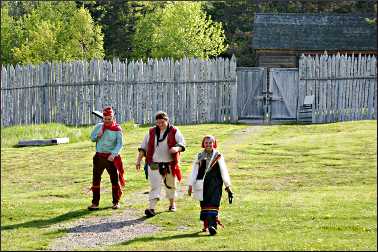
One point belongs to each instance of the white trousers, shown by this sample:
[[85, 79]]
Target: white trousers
[[156, 182]]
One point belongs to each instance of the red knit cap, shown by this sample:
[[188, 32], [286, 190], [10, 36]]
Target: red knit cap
[[108, 111], [212, 138]]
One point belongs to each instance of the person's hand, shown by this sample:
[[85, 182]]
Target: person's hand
[[230, 194], [174, 149], [137, 165], [111, 158], [100, 133], [190, 190]]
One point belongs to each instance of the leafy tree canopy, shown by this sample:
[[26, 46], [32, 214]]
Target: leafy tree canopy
[[177, 30], [52, 31], [7, 28], [118, 19]]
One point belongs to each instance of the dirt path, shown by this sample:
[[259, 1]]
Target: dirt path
[[101, 231], [125, 224], [242, 136]]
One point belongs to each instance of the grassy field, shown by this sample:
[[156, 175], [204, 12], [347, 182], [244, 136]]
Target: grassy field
[[297, 187]]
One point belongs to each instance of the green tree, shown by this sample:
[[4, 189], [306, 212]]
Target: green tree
[[83, 36], [179, 29], [237, 18], [7, 40], [57, 31], [118, 19]]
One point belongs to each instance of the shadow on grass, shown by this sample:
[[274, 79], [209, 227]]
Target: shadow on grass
[[165, 238], [47, 222]]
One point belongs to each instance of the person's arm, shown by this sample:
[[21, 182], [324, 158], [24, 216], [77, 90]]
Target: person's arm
[[193, 175], [95, 132], [119, 142], [180, 143], [226, 179], [139, 159], [142, 151], [224, 172]]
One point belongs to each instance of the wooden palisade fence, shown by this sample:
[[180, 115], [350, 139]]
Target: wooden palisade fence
[[190, 90], [344, 87]]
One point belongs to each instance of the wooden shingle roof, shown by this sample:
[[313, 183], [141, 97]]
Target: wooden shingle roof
[[303, 31]]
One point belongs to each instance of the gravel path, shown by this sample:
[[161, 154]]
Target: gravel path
[[101, 231], [123, 225]]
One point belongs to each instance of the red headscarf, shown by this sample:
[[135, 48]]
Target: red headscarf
[[212, 138], [108, 111]]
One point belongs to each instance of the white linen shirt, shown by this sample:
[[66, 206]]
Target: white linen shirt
[[161, 153]]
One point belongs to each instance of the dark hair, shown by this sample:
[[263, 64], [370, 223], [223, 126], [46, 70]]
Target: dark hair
[[161, 115]]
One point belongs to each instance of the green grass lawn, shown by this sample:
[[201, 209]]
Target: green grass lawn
[[297, 187]]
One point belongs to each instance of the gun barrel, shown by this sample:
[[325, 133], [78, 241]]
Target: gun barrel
[[98, 114]]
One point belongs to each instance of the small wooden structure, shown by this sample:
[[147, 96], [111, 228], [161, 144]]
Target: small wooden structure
[[281, 38]]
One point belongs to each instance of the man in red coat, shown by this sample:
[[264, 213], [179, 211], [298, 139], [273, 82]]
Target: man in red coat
[[161, 147]]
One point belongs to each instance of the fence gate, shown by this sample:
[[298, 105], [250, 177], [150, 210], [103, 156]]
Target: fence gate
[[252, 86], [330, 89], [282, 97], [273, 100]]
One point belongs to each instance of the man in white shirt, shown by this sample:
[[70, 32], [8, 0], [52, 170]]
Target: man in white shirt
[[161, 147]]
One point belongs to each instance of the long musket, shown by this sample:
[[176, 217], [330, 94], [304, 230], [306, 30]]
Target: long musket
[[98, 114]]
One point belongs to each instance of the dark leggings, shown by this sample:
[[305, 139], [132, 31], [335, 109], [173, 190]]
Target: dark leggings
[[209, 217], [99, 165]]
